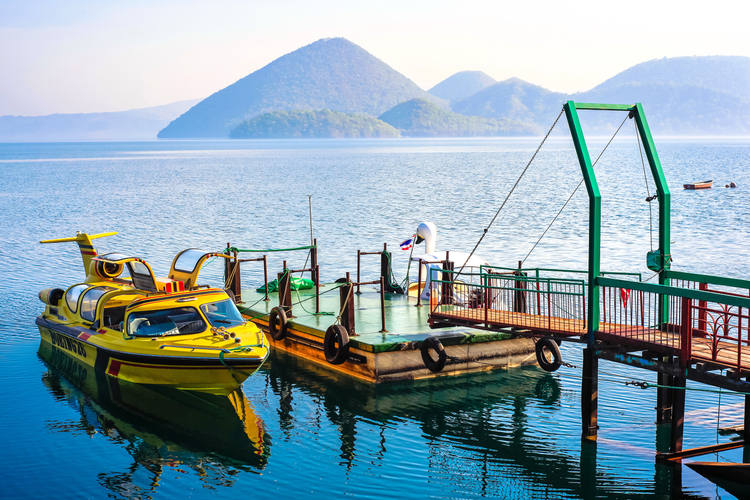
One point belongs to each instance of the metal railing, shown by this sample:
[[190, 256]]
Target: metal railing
[[699, 324], [510, 299]]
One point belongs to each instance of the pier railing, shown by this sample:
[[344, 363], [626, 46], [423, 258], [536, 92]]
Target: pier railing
[[509, 298], [704, 319]]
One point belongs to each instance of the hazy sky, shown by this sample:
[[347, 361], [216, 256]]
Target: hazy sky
[[82, 56]]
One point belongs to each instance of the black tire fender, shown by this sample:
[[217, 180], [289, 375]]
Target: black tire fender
[[336, 344], [434, 344], [547, 348], [277, 323]]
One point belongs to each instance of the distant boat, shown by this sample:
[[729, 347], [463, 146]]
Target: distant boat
[[699, 185], [733, 477]]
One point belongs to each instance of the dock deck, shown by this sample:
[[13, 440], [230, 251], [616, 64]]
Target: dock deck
[[378, 356]]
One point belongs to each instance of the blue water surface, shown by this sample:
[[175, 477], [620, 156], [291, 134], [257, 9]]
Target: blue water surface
[[297, 430]]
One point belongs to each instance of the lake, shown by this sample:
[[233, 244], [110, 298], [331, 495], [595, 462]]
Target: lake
[[299, 431]]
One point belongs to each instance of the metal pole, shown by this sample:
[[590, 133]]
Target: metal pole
[[359, 257], [382, 304], [419, 285], [309, 204], [265, 274], [317, 290]]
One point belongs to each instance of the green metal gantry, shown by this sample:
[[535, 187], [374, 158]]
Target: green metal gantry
[[659, 259]]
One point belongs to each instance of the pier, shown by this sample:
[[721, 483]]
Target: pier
[[682, 327]]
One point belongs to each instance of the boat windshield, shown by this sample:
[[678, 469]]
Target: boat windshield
[[188, 259], [164, 322], [222, 313]]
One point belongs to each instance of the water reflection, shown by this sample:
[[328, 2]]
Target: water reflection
[[214, 437], [505, 421]]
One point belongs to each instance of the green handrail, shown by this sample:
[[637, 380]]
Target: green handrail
[[707, 278], [674, 291]]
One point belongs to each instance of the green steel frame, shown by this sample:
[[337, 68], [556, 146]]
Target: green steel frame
[[595, 201]]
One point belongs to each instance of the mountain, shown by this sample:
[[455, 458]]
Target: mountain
[[323, 123], [513, 99], [420, 118], [725, 74], [681, 96], [332, 73], [461, 85], [674, 109], [134, 124]]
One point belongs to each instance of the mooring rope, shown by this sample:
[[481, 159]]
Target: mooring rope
[[649, 198], [574, 191], [518, 180]]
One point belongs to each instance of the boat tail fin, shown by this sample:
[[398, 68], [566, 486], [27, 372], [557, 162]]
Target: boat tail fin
[[85, 245]]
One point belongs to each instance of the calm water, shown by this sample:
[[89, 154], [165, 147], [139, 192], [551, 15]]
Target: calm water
[[297, 430]]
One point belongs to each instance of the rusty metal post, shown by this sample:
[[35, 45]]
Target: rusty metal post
[[285, 291], [446, 292], [589, 395], [314, 262], [419, 285], [346, 304], [382, 304], [317, 289], [236, 279], [678, 414], [663, 395], [359, 278], [265, 275], [702, 319], [227, 268], [686, 332]]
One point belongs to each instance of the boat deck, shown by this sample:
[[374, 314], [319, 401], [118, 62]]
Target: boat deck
[[405, 321]]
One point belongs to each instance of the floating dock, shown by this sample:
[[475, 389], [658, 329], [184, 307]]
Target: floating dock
[[378, 356]]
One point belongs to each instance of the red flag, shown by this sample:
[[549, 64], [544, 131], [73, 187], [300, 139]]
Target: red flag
[[624, 296]]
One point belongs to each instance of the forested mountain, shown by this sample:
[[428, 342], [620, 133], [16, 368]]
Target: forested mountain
[[462, 85], [322, 123], [332, 73]]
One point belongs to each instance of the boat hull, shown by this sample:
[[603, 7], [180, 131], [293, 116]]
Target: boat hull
[[206, 374]]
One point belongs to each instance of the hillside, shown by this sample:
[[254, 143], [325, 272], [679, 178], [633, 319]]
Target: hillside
[[134, 124], [513, 99], [725, 74], [419, 118], [309, 124], [462, 85], [332, 73]]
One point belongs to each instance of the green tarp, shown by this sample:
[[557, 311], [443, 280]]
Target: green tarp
[[297, 284]]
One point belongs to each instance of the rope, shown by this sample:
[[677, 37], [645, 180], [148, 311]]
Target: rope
[[649, 198], [649, 385], [575, 190], [346, 301], [508, 196]]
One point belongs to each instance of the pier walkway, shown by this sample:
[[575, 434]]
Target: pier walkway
[[701, 319]]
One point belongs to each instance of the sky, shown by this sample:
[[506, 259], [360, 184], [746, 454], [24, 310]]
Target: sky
[[106, 55]]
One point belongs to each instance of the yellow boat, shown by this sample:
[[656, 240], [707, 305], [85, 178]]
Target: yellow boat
[[133, 326]]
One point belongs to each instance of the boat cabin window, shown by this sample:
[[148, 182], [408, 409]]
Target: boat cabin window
[[164, 322], [90, 299], [141, 276], [72, 296], [222, 313], [188, 259]]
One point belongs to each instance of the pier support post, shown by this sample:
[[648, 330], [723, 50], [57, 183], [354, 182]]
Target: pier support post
[[589, 394], [285, 291], [678, 414], [745, 435], [346, 304], [663, 395]]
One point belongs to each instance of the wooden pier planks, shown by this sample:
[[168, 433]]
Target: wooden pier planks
[[646, 338]]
